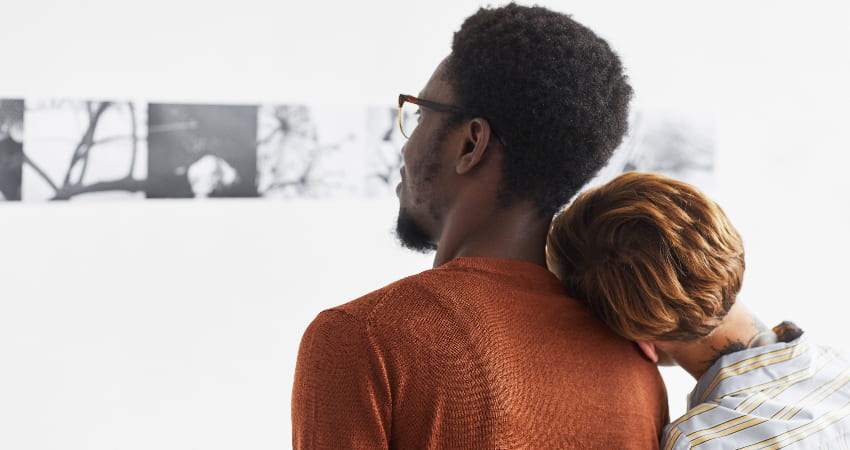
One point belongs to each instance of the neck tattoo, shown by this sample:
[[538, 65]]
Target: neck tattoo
[[762, 336]]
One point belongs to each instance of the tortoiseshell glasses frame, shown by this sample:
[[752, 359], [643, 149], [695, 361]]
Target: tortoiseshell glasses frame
[[439, 107]]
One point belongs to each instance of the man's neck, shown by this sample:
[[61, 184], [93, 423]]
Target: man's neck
[[740, 330], [509, 233]]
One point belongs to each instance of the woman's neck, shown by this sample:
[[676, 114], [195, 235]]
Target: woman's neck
[[739, 330]]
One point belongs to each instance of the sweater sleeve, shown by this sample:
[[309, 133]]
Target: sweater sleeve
[[340, 397]]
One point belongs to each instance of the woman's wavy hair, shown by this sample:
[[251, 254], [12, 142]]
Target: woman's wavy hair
[[652, 257]]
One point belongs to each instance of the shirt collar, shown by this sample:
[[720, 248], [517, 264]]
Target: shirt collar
[[752, 369]]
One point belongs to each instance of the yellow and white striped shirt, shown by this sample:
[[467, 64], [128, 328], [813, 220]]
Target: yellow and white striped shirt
[[783, 395]]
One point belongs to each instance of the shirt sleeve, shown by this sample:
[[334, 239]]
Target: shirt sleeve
[[674, 439], [340, 397]]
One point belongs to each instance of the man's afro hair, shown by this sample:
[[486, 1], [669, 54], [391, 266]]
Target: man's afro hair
[[553, 90]]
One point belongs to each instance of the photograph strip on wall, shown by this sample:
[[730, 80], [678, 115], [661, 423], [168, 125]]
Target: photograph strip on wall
[[90, 150]]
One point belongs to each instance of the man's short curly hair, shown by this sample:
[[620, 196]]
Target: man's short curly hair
[[553, 90], [651, 256]]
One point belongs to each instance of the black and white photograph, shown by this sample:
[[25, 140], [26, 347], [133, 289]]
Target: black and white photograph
[[382, 148], [202, 151], [669, 141], [84, 150], [310, 151], [11, 148]]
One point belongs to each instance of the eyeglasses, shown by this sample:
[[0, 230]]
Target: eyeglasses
[[408, 113]]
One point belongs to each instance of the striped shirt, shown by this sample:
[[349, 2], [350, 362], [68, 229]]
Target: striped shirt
[[782, 395]]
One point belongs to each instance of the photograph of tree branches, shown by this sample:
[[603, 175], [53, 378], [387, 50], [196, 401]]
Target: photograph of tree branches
[[308, 151], [676, 143], [84, 149], [383, 151], [328, 151]]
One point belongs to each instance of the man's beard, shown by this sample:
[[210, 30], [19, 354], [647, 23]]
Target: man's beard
[[411, 235]]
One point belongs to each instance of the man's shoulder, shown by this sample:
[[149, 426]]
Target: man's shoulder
[[399, 315], [354, 325], [410, 293]]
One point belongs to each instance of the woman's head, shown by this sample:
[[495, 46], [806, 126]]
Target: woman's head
[[652, 257]]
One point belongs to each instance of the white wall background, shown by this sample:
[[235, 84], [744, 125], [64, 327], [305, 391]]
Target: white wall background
[[175, 325]]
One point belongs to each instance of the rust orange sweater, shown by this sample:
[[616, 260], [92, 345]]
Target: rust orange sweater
[[479, 353]]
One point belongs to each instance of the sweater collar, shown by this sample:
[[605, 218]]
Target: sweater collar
[[538, 277]]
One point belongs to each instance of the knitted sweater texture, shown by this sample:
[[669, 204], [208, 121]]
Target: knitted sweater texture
[[479, 353]]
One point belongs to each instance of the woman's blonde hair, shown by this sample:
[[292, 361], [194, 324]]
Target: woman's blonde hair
[[653, 257]]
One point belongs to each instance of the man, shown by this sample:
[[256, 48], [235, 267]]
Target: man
[[485, 351], [662, 265]]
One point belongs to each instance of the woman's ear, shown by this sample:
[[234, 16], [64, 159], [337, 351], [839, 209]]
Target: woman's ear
[[648, 348]]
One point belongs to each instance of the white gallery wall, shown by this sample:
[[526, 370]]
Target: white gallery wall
[[175, 324]]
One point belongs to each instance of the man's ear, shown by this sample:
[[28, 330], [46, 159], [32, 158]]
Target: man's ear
[[476, 141], [648, 348]]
